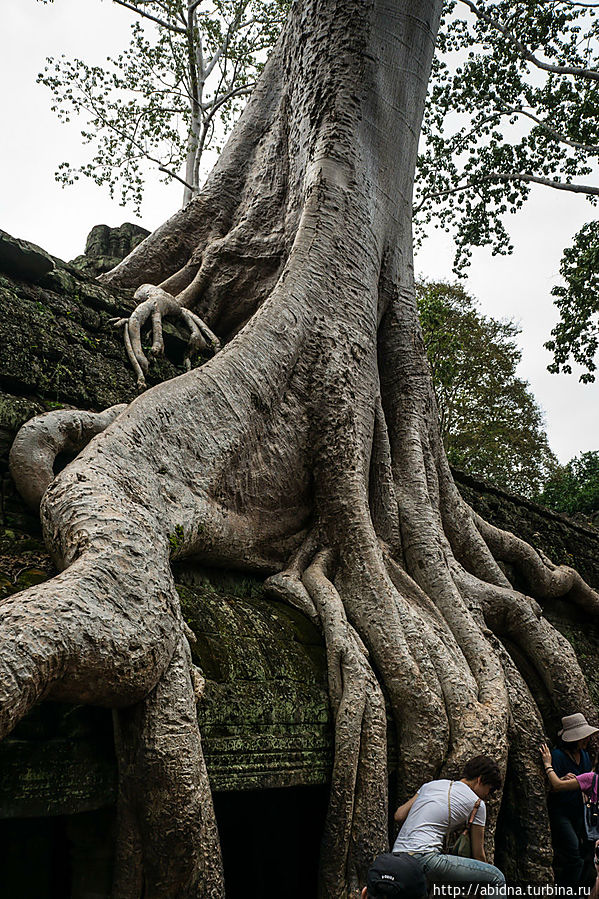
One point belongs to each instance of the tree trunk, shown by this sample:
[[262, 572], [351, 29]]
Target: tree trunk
[[307, 449]]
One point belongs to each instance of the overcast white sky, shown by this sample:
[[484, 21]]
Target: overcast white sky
[[33, 206]]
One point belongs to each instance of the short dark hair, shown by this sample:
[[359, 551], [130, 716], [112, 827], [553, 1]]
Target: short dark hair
[[486, 768]]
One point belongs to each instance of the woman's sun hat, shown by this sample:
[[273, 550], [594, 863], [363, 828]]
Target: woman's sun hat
[[576, 727]]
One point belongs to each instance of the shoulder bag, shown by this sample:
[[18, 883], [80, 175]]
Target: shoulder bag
[[463, 843]]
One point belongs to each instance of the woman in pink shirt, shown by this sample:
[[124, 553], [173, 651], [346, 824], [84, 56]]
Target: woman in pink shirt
[[587, 782]]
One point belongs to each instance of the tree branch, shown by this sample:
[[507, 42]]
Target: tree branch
[[575, 3], [587, 189], [146, 15], [95, 111], [590, 74], [509, 111], [444, 193], [588, 148], [225, 44], [217, 102], [162, 168]]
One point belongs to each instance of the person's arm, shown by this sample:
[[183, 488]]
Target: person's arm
[[403, 811], [477, 840], [569, 782]]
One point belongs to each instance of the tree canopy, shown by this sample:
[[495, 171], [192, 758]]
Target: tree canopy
[[514, 103], [573, 488], [169, 95], [491, 424]]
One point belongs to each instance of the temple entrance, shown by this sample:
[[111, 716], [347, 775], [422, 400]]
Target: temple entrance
[[270, 841]]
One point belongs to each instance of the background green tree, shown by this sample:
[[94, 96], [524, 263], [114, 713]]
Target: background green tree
[[491, 424], [574, 488], [167, 97]]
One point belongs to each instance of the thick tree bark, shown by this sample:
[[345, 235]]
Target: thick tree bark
[[307, 449]]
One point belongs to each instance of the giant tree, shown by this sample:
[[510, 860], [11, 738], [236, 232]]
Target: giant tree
[[307, 449]]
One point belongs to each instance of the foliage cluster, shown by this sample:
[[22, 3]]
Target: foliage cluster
[[576, 335], [574, 488], [169, 95], [491, 424], [513, 103]]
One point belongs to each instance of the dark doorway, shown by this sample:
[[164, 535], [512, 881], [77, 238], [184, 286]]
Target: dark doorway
[[271, 841], [59, 857], [34, 859]]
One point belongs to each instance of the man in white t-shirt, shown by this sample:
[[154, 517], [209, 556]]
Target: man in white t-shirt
[[441, 806]]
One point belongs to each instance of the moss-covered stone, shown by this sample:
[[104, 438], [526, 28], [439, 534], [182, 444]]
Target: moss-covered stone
[[105, 247], [583, 634], [22, 259], [24, 560], [60, 350], [264, 717], [60, 760]]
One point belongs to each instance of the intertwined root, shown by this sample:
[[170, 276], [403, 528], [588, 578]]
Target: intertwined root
[[451, 686], [43, 438], [357, 814], [407, 622], [158, 304]]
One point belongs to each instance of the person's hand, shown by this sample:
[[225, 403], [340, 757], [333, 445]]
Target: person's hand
[[569, 776], [545, 754]]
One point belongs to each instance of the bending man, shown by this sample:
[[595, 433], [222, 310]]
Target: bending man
[[441, 806]]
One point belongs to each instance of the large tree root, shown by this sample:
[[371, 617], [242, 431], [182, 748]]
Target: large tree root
[[525, 782], [40, 441], [357, 814], [165, 804], [108, 631]]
